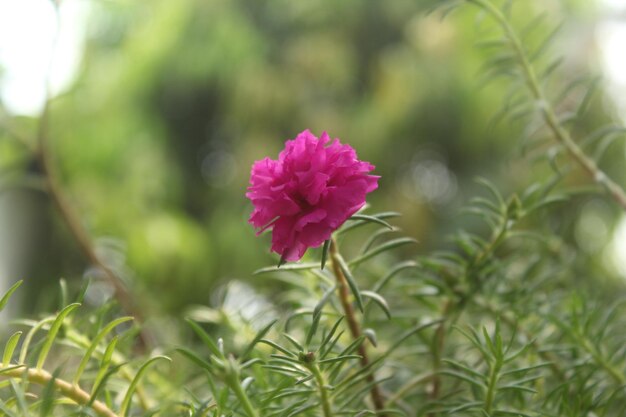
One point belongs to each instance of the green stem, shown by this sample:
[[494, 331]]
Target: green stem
[[410, 384], [353, 324], [71, 391], [514, 324], [438, 349], [450, 306], [495, 242], [117, 359], [321, 383], [491, 388], [549, 115], [618, 376], [241, 395]]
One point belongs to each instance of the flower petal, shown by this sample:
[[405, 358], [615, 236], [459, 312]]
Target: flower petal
[[313, 187]]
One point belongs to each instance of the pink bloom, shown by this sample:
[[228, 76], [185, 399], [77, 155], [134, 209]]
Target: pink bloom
[[309, 192]]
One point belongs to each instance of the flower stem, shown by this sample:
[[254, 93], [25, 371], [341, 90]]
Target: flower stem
[[241, 395], [73, 392], [549, 115], [321, 383], [353, 324]]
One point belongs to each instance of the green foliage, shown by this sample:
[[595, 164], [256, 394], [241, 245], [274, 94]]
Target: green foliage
[[507, 317]]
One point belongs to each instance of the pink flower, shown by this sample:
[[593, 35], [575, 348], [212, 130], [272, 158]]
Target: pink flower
[[307, 193]]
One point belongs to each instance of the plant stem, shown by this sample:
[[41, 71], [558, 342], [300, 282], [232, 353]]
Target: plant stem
[[616, 374], [353, 324], [549, 115], [413, 382], [458, 305], [439, 345], [73, 392], [319, 378], [494, 243], [546, 355], [491, 388], [117, 359], [241, 395]]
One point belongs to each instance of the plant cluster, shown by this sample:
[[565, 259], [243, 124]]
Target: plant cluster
[[492, 325]]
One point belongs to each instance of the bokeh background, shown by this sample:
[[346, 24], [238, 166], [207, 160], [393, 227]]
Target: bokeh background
[[160, 107]]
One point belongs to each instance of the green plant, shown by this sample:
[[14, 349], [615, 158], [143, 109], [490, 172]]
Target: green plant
[[501, 321]]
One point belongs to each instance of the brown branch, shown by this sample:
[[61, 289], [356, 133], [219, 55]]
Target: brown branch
[[353, 325], [80, 234], [76, 228], [78, 231]]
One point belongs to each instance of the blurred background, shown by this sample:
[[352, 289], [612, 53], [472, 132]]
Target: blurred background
[[160, 107]]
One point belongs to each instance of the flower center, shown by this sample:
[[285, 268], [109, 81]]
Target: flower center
[[301, 201]]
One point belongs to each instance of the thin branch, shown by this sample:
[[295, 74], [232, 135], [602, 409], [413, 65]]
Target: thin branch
[[438, 350], [80, 234], [73, 392], [453, 309], [355, 328], [516, 325], [321, 385], [61, 202], [549, 115], [241, 395]]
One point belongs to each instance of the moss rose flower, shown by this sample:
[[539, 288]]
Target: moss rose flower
[[305, 195]]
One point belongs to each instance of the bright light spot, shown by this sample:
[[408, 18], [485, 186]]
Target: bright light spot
[[434, 181], [613, 5], [429, 179], [27, 32], [612, 38], [617, 250]]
